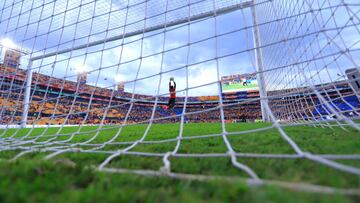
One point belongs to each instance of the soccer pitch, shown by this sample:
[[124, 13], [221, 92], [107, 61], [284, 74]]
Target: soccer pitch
[[72, 176]]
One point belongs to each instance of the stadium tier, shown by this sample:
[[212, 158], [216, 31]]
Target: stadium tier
[[50, 103]]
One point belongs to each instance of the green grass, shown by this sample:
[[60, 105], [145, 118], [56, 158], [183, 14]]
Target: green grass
[[69, 177]]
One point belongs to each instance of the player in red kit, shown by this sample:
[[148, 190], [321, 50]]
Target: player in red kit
[[172, 90]]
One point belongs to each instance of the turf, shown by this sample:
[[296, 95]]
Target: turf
[[70, 178]]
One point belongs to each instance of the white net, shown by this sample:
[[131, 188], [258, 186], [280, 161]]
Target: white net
[[79, 76]]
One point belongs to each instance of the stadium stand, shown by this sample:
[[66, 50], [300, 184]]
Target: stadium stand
[[51, 104]]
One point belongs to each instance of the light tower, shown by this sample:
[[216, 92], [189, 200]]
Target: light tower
[[120, 83], [12, 54], [82, 72], [120, 86]]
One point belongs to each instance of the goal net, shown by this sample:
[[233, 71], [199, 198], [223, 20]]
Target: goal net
[[92, 77]]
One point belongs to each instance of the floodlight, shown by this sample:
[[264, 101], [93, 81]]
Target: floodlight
[[81, 68], [8, 43]]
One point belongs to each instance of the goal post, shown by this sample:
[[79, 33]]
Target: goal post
[[26, 102], [259, 67]]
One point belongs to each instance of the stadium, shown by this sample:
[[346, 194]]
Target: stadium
[[185, 101]]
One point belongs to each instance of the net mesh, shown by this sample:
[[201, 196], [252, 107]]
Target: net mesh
[[79, 75]]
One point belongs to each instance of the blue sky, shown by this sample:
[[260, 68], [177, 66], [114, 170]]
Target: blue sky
[[51, 28]]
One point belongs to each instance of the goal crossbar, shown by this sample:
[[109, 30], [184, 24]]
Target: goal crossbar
[[218, 12]]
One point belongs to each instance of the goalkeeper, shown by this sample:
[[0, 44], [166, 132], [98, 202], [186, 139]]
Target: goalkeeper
[[172, 90]]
